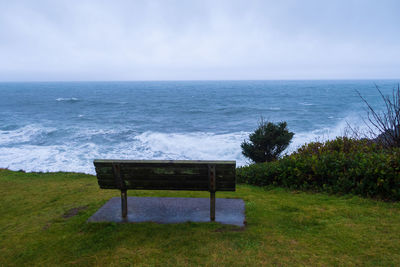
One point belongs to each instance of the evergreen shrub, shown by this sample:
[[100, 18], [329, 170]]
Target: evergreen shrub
[[267, 142]]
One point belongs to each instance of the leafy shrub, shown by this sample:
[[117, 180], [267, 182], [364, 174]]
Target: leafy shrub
[[339, 166], [267, 142], [340, 144]]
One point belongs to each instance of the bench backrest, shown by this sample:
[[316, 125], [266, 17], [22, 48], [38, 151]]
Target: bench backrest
[[166, 174]]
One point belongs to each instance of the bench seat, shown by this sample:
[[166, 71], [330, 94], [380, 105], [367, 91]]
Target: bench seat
[[191, 175]]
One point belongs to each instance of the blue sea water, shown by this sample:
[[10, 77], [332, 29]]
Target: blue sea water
[[63, 126]]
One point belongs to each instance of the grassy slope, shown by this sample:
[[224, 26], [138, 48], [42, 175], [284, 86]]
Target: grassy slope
[[284, 228]]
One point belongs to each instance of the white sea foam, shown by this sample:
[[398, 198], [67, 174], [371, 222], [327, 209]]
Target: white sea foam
[[78, 151], [23, 134], [194, 145], [323, 134], [306, 104], [149, 145], [49, 158], [69, 99]]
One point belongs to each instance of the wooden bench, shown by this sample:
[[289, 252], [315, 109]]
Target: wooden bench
[[193, 175]]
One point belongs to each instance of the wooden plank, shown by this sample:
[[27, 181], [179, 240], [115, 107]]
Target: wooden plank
[[183, 177], [156, 182], [175, 171], [129, 184], [171, 188], [216, 162], [104, 169], [225, 189], [107, 187], [105, 177], [168, 178], [167, 166], [225, 177], [180, 178], [222, 167], [178, 168], [165, 162], [107, 183], [164, 170], [164, 183], [225, 183], [160, 177]]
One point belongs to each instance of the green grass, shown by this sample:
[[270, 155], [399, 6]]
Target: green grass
[[43, 222]]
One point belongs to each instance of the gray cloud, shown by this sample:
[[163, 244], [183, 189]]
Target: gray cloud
[[164, 40]]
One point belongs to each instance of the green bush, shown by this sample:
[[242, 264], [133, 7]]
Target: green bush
[[339, 166], [340, 144], [267, 142]]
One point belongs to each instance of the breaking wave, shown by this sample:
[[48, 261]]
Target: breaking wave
[[22, 149]]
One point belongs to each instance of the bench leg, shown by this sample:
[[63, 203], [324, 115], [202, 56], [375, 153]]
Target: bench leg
[[212, 206], [124, 203]]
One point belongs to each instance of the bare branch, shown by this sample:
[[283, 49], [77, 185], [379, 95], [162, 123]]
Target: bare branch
[[384, 126]]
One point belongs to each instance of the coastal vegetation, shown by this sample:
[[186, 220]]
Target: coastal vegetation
[[44, 216], [366, 164], [343, 165], [267, 142]]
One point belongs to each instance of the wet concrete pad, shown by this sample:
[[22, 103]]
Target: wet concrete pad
[[172, 210]]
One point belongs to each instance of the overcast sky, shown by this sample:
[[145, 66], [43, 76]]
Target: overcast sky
[[198, 40]]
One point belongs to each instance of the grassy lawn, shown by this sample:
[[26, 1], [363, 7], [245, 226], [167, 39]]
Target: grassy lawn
[[43, 222]]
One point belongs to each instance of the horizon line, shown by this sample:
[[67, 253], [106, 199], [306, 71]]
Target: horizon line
[[198, 80]]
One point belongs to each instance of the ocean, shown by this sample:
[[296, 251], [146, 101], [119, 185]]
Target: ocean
[[63, 126]]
